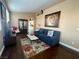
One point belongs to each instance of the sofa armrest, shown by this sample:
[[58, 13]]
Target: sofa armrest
[[53, 37]]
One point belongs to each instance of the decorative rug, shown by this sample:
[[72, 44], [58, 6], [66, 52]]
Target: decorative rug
[[31, 49]]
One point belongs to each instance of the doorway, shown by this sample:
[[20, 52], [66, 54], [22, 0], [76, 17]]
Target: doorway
[[23, 26]]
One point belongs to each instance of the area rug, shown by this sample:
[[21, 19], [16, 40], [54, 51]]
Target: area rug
[[31, 49]]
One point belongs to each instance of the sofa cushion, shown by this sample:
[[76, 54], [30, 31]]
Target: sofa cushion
[[50, 33], [45, 31], [41, 31]]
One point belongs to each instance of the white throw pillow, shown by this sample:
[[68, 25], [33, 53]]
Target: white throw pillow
[[50, 33]]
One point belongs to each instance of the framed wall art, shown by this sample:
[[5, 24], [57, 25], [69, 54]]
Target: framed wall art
[[52, 20]]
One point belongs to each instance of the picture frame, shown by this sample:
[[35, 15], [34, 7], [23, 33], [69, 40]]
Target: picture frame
[[52, 20]]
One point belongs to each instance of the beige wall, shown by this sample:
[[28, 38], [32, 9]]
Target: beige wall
[[69, 21], [16, 15]]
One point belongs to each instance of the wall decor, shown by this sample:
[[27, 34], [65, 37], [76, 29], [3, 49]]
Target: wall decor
[[52, 20]]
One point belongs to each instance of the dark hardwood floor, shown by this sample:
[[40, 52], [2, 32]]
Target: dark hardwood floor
[[56, 52]]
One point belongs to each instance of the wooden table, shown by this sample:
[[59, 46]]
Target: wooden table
[[32, 38]]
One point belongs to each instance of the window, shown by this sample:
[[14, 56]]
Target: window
[[0, 16]]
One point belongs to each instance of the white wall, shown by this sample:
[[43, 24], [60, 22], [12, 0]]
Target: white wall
[[69, 21]]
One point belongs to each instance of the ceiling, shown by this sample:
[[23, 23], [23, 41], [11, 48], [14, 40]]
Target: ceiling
[[30, 5]]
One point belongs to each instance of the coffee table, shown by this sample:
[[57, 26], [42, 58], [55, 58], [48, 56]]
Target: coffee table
[[32, 38]]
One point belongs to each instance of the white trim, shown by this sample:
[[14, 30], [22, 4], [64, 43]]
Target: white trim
[[66, 45], [1, 50]]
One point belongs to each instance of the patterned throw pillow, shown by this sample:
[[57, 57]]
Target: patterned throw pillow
[[50, 33]]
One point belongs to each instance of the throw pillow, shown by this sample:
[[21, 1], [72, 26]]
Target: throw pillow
[[50, 33]]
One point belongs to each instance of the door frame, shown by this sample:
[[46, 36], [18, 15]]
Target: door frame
[[19, 23]]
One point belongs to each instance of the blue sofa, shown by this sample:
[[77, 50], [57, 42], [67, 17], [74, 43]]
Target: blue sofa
[[51, 41]]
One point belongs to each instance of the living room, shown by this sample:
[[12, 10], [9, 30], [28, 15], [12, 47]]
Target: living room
[[67, 23]]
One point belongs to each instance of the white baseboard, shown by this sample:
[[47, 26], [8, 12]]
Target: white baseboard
[[66, 45], [1, 50]]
